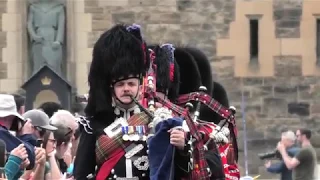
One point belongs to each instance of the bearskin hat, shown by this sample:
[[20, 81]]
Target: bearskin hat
[[218, 93], [215, 89], [119, 53], [168, 77], [204, 67], [190, 78]]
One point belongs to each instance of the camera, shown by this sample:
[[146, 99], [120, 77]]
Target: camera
[[269, 155]]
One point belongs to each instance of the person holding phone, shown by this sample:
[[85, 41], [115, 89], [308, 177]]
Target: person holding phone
[[10, 119], [16, 163]]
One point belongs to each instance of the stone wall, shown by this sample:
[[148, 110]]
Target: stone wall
[[3, 41]]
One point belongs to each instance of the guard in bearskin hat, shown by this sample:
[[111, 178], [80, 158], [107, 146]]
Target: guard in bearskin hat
[[214, 89], [113, 145], [226, 137]]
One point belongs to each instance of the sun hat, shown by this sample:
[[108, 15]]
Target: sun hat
[[8, 107]]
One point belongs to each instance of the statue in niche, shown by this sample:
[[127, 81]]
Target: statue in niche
[[46, 27]]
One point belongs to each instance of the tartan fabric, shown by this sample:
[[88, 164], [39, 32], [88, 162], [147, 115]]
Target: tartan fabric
[[105, 145], [226, 152], [219, 109], [231, 169], [200, 171], [210, 102], [216, 107]]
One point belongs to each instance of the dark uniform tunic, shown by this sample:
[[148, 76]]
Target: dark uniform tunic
[[86, 166]]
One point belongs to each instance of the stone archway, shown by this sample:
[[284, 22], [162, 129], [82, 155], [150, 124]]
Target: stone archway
[[45, 96]]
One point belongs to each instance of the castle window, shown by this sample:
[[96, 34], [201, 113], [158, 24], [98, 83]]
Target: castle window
[[254, 40]]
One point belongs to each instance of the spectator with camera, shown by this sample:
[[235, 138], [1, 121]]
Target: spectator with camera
[[10, 119], [288, 140], [40, 122], [40, 125], [304, 162]]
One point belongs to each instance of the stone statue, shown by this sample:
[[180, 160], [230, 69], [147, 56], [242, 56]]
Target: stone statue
[[46, 26]]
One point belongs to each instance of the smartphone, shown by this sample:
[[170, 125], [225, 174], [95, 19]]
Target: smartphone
[[39, 143]]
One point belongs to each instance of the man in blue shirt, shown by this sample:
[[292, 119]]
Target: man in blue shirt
[[288, 138], [10, 119]]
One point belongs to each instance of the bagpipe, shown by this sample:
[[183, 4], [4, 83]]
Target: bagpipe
[[202, 136]]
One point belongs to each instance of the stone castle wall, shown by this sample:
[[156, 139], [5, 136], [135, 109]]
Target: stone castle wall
[[281, 92]]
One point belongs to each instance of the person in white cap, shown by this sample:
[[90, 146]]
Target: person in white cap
[[10, 119]]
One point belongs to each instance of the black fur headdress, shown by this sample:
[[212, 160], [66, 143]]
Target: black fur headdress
[[119, 53], [190, 78], [168, 77], [215, 89], [204, 67]]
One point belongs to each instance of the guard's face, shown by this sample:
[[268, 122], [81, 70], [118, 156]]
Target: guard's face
[[126, 88]]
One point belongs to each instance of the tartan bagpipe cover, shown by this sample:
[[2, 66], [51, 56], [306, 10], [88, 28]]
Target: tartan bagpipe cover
[[161, 152], [228, 152], [200, 166]]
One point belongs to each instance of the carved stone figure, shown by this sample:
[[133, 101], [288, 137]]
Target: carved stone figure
[[46, 26]]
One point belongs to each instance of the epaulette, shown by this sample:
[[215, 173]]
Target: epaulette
[[85, 123]]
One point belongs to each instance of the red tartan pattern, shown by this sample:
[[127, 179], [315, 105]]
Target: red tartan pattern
[[211, 103], [106, 145], [200, 171], [216, 107], [230, 167]]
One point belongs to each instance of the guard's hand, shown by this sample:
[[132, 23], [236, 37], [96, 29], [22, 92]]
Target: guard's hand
[[56, 45], [40, 156], [20, 152], [177, 138]]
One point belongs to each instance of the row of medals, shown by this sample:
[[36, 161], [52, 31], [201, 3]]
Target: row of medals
[[134, 133]]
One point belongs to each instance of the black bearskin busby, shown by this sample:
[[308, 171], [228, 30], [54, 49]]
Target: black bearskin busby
[[190, 78], [204, 67], [168, 75], [214, 89], [119, 53]]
